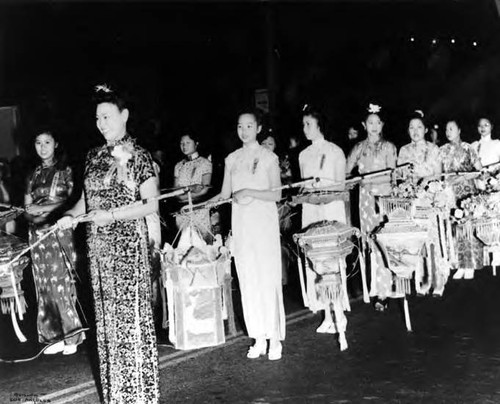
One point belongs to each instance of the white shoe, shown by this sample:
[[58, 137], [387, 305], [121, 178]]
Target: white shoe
[[459, 274], [70, 349], [342, 341], [257, 350], [275, 352], [54, 348], [324, 327], [469, 273]]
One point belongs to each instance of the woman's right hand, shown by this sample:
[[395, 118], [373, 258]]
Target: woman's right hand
[[65, 222], [35, 210]]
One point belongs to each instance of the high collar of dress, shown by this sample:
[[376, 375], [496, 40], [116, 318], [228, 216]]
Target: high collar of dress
[[420, 143], [52, 164], [193, 156], [252, 146], [125, 139], [318, 142]]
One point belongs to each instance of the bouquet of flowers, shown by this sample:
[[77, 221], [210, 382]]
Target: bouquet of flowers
[[406, 189], [477, 206], [489, 181], [436, 193], [469, 208]]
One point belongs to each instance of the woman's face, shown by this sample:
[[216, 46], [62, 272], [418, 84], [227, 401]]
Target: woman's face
[[484, 127], [269, 143], [373, 125], [111, 122], [311, 128], [417, 130], [188, 145], [248, 128], [452, 131], [45, 146]]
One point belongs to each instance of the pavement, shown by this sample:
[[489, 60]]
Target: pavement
[[452, 356]]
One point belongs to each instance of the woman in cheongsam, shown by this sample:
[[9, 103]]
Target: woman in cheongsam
[[422, 154], [458, 156], [193, 171], [117, 175], [424, 157], [487, 149], [250, 175], [373, 154], [53, 260], [325, 160]]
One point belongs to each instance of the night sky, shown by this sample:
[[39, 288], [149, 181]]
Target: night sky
[[194, 65]]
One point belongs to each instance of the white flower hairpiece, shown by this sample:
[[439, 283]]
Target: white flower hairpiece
[[374, 108], [420, 112], [103, 87]]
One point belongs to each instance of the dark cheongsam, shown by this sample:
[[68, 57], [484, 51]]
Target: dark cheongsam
[[53, 261], [120, 272]]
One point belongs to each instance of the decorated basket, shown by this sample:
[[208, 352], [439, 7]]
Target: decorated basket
[[11, 274], [325, 245], [326, 237], [390, 206], [194, 278], [402, 241], [488, 230]]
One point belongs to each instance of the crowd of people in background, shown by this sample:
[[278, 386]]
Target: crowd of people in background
[[121, 233]]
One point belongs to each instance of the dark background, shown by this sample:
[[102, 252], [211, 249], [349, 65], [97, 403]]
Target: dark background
[[193, 65]]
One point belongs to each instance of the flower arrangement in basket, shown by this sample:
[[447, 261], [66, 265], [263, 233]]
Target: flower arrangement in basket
[[489, 181], [436, 193], [477, 206], [405, 189]]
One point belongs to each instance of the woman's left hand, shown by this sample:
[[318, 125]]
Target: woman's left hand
[[101, 217], [242, 195]]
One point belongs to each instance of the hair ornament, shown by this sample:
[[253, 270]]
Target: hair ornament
[[374, 108], [103, 87], [420, 112]]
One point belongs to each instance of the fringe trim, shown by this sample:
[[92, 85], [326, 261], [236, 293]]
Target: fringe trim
[[5, 304], [329, 292], [464, 231], [402, 286]]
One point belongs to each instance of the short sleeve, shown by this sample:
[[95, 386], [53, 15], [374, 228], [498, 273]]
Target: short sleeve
[[68, 178], [29, 183], [229, 161], [352, 159], [206, 167], [144, 169], [403, 156], [177, 169], [474, 157]]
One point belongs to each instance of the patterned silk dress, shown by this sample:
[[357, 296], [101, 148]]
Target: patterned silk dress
[[423, 155], [369, 157], [256, 243], [120, 272], [190, 171], [53, 261], [461, 157]]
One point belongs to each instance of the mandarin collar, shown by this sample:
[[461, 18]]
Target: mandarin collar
[[193, 156], [319, 141]]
